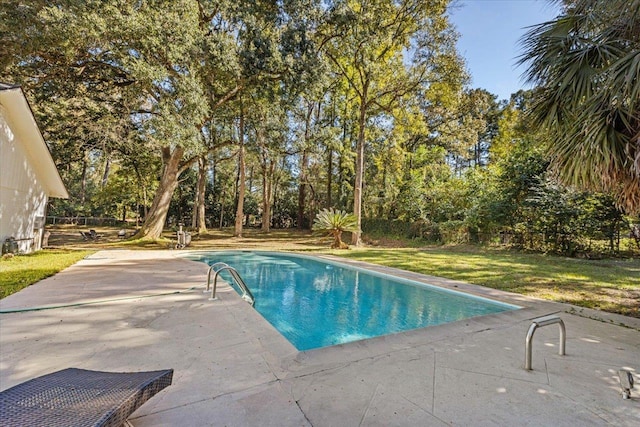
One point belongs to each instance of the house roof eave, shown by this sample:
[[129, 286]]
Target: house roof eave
[[22, 121]]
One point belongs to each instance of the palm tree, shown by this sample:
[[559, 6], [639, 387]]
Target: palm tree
[[586, 63], [335, 222]]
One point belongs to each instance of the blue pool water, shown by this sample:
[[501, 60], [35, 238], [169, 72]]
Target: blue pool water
[[315, 303]]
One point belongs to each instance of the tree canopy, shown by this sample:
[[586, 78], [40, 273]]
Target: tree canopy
[[220, 113]]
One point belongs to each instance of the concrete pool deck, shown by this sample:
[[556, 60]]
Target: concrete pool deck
[[232, 368]]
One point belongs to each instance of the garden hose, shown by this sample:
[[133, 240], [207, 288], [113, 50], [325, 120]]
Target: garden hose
[[79, 304]]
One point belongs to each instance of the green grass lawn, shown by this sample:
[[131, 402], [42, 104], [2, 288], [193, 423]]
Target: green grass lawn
[[611, 285], [21, 271]]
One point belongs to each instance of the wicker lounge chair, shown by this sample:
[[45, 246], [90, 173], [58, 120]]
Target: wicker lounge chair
[[78, 397]]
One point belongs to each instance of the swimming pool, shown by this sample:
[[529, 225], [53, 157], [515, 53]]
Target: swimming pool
[[317, 303]]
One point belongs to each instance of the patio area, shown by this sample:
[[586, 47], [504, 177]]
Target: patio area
[[120, 310]]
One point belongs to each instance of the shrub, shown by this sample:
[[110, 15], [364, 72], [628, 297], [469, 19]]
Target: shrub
[[335, 223]]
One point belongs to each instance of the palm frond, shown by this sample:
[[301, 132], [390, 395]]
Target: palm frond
[[330, 220], [586, 63]]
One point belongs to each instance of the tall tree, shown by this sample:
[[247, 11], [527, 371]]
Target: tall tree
[[268, 123], [118, 68], [242, 183], [587, 65], [166, 65], [198, 220], [65, 58], [368, 43]]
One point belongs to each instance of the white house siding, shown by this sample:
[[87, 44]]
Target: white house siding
[[23, 201]]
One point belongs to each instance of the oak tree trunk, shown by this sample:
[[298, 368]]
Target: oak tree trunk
[[241, 180], [199, 211], [267, 194], [107, 169], [302, 190], [357, 190], [154, 222], [304, 165], [329, 177], [83, 180]]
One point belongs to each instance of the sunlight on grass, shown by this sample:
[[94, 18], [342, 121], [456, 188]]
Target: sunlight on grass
[[161, 243], [612, 285], [21, 271]]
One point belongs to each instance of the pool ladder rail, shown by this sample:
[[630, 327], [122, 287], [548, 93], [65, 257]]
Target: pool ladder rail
[[219, 267], [540, 322]]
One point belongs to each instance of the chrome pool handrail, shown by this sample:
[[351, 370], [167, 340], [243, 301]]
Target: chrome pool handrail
[[213, 268], [246, 293], [540, 322]]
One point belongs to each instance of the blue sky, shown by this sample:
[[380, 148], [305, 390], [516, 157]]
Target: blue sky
[[489, 33]]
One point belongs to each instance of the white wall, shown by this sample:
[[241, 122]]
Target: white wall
[[22, 199]]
